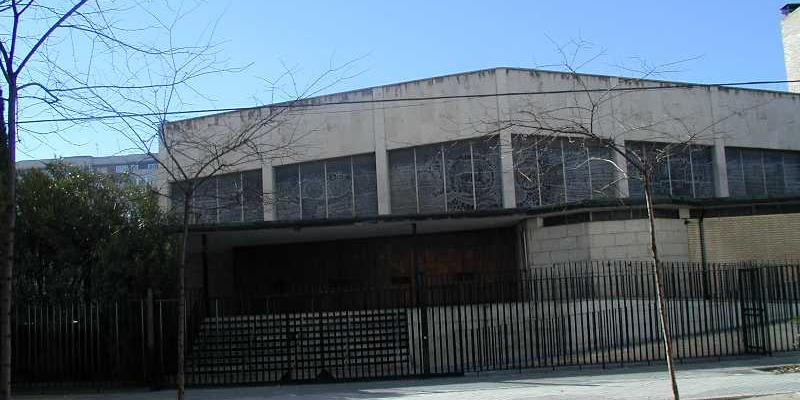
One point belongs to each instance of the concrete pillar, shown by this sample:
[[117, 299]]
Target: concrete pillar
[[268, 190], [608, 128], [720, 169], [506, 151], [381, 157], [621, 173], [720, 166]]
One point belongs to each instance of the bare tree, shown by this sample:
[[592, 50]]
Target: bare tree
[[18, 49], [82, 61], [193, 153], [584, 115]]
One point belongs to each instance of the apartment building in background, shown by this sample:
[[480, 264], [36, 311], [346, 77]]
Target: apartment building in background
[[140, 167]]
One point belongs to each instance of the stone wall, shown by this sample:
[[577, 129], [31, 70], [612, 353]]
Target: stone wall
[[604, 240]]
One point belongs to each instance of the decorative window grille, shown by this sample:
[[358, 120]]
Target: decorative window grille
[[682, 170], [225, 198], [455, 176], [757, 173], [337, 188], [554, 170]]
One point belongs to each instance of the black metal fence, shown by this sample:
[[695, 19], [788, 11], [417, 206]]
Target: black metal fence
[[77, 344], [599, 313]]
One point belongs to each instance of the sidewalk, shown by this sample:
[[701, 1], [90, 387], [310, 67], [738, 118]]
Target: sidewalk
[[740, 378]]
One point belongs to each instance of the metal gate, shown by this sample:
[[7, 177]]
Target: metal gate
[[753, 311]]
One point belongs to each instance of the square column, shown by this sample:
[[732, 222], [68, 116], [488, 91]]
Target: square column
[[720, 165], [268, 190], [720, 169], [621, 171], [506, 150], [381, 158]]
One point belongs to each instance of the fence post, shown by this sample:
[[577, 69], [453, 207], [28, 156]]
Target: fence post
[[150, 339], [421, 302], [423, 314]]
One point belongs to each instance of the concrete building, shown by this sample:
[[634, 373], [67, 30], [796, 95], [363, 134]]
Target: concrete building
[[141, 167], [480, 171]]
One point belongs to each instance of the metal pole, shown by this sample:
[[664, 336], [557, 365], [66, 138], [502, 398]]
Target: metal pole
[[205, 272], [421, 303], [150, 363]]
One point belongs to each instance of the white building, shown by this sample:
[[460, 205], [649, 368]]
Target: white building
[[471, 163], [141, 167]]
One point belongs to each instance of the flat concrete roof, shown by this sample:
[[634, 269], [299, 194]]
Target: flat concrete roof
[[226, 236]]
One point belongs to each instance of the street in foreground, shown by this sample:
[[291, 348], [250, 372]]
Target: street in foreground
[[741, 378]]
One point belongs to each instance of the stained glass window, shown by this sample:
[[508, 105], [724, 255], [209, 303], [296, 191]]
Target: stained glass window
[[337, 188], [754, 173], [252, 196], [601, 172], [459, 184], [526, 170], [773, 173], [287, 192], [551, 172], [447, 177], [733, 160], [365, 184], [791, 173], [312, 190], [753, 168], [681, 170], [555, 170], [430, 179], [576, 170], [225, 198], [680, 174], [488, 173], [205, 202], [402, 182], [229, 197], [340, 187], [177, 196], [702, 171]]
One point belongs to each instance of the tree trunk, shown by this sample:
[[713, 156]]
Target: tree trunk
[[662, 306], [180, 378], [9, 136]]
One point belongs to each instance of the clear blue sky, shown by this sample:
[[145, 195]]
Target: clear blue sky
[[733, 41]]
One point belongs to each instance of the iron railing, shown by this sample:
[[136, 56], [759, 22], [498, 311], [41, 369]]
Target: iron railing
[[593, 313]]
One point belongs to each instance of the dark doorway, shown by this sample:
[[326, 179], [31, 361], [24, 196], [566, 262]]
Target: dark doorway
[[373, 262]]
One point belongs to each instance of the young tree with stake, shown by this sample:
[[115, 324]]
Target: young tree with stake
[[605, 113]]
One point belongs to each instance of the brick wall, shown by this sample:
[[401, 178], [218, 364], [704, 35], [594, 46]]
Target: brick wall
[[606, 240], [756, 237]]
